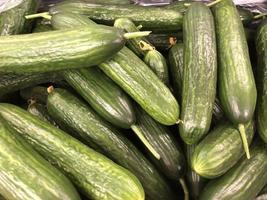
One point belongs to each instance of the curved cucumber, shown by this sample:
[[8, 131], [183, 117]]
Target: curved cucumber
[[75, 48], [200, 73], [96, 176], [12, 21], [243, 181], [74, 114], [142, 85], [236, 84], [219, 150], [21, 167], [261, 45]]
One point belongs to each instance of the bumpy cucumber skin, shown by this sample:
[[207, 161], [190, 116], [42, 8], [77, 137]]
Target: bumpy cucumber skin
[[12, 21], [142, 85], [261, 45], [172, 162], [236, 84], [200, 73], [74, 114], [20, 168], [58, 50], [243, 181], [96, 176], [151, 18], [219, 150]]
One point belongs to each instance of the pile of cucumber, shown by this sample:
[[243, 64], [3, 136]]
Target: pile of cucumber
[[107, 100]]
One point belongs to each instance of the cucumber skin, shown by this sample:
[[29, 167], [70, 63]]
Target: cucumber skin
[[74, 114], [243, 181], [83, 166], [142, 85], [151, 18], [220, 150], [20, 165], [12, 21], [236, 84], [103, 95], [200, 73], [80, 47], [172, 162], [261, 46]]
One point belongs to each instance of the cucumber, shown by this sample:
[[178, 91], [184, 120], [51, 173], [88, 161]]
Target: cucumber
[[95, 176], [243, 181], [115, 2], [74, 48], [37, 93], [219, 150], [151, 18], [261, 46], [142, 85], [153, 58], [75, 115], [21, 166], [200, 73], [12, 82], [12, 21], [236, 84]]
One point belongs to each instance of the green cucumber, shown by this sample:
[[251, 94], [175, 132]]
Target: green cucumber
[[72, 48], [261, 46], [219, 150], [75, 115], [96, 176], [25, 175], [12, 21], [37, 93], [243, 181], [151, 18], [115, 2], [199, 74], [142, 85], [12, 82], [236, 84]]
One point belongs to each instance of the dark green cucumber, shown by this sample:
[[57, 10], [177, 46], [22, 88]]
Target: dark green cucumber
[[153, 58], [37, 93], [236, 84], [58, 50], [151, 18], [96, 176], [74, 114], [142, 85], [200, 73], [12, 21], [243, 181], [261, 45], [12, 82], [25, 175], [219, 150]]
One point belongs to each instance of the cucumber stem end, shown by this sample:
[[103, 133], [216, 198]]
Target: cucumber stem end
[[136, 34], [242, 132], [185, 189]]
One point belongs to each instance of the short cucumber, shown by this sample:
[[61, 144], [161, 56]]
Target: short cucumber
[[75, 48], [261, 45], [243, 181], [142, 85], [219, 150], [95, 176], [200, 73], [12, 21], [236, 84], [25, 175], [78, 117], [151, 18], [37, 93]]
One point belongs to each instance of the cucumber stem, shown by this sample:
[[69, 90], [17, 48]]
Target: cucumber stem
[[213, 3], [185, 189], [242, 131], [179, 121], [50, 89], [260, 15], [43, 15], [139, 27], [145, 46], [140, 135], [136, 34]]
